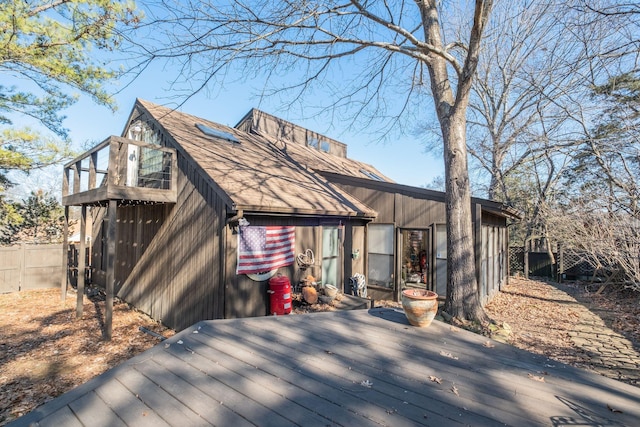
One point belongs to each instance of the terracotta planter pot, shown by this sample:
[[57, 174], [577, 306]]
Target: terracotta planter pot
[[420, 306]]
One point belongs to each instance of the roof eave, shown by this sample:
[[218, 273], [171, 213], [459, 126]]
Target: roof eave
[[276, 211]]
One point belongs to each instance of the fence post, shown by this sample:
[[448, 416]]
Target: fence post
[[65, 255], [526, 261], [23, 262], [560, 262]]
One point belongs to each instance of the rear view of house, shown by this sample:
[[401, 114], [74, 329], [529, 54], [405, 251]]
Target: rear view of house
[[191, 218]]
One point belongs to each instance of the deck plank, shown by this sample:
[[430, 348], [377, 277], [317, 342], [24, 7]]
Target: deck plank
[[358, 368], [213, 387], [62, 417], [341, 397], [93, 411], [269, 391], [165, 405], [211, 410], [127, 405], [399, 392]]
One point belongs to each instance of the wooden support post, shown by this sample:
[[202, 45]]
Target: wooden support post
[[398, 212], [111, 257], [397, 274], [93, 160], [560, 262], [65, 182], [507, 261], [348, 259], [77, 167], [477, 238], [81, 262], [65, 255]]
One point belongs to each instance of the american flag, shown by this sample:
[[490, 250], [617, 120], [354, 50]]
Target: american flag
[[262, 249]]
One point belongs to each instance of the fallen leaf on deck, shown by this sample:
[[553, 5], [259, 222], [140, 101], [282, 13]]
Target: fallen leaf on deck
[[435, 379], [449, 355], [488, 344], [536, 378], [454, 390], [366, 383], [616, 411]]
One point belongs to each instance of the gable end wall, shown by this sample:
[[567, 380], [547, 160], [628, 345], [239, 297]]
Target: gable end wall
[[179, 279]]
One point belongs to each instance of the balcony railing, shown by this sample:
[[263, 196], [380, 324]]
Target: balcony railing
[[121, 169]]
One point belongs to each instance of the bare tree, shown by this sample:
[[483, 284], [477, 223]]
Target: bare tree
[[392, 49], [607, 241], [538, 65]]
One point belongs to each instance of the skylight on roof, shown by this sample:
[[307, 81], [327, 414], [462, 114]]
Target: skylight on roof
[[209, 131], [371, 175]]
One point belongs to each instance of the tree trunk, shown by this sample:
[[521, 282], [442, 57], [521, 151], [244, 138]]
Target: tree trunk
[[462, 300], [462, 286]]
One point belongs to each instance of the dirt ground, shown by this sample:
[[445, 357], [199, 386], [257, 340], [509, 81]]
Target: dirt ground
[[45, 351], [540, 317]]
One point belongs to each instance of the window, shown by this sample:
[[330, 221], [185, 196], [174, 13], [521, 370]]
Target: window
[[415, 257], [155, 169], [380, 249], [371, 175], [209, 131], [318, 144], [330, 256], [141, 131]]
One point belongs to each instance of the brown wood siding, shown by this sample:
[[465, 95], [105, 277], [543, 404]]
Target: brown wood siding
[[420, 213], [403, 210], [137, 227], [381, 202], [493, 264], [178, 280], [491, 219]]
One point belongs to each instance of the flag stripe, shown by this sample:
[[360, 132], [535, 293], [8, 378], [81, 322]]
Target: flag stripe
[[262, 249]]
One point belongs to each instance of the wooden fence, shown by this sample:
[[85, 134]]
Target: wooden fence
[[569, 264], [538, 263], [24, 267]]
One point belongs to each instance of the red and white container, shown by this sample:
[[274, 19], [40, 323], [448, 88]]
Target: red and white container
[[280, 295]]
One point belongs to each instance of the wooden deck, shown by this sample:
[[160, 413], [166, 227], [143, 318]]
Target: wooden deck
[[352, 368]]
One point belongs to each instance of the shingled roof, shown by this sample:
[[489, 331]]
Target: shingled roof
[[295, 139], [251, 172]]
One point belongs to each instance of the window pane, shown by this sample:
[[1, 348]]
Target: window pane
[[441, 241], [330, 271], [380, 270], [329, 242], [330, 254], [381, 238]]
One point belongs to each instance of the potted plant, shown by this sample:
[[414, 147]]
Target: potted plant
[[420, 306]]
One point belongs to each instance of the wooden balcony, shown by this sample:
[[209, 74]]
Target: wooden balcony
[[121, 169]]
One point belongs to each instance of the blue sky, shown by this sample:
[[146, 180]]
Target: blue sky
[[404, 160]]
